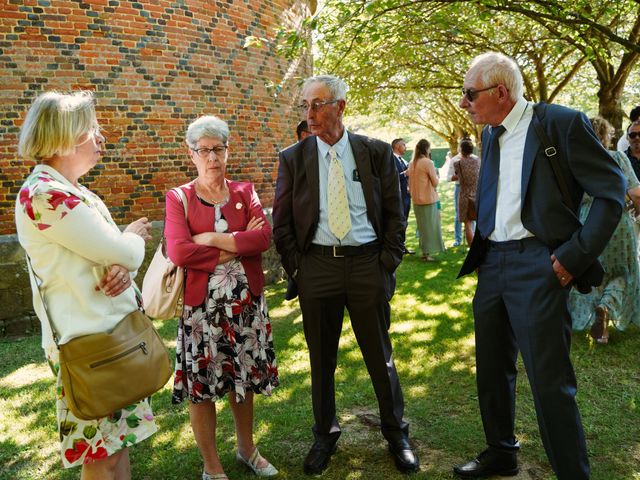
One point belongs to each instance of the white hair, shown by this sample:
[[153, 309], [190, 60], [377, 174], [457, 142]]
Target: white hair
[[336, 86], [493, 68], [207, 126]]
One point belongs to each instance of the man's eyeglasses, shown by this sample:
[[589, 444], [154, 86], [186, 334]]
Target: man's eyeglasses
[[315, 106], [633, 135], [471, 93], [205, 152]]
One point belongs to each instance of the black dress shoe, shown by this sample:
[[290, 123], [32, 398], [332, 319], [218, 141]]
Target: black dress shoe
[[318, 457], [408, 252], [490, 462], [404, 456]]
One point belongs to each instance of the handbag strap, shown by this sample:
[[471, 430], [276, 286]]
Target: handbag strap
[[552, 154], [185, 203], [34, 284]]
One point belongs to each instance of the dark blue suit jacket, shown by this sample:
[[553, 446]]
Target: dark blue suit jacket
[[586, 167], [404, 186]]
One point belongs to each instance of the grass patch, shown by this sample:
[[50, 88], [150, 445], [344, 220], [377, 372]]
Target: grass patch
[[432, 334]]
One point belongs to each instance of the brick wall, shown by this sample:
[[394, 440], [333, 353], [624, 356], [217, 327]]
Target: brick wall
[[155, 65]]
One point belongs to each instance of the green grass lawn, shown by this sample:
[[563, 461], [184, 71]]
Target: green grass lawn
[[432, 334]]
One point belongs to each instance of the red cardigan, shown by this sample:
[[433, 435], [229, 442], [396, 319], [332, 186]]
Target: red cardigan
[[200, 260]]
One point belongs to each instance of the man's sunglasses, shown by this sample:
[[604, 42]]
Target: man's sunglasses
[[633, 135], [471, 93]]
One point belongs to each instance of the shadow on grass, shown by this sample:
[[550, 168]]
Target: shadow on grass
[[432, 335]]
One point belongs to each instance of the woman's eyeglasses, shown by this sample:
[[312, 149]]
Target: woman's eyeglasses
[[633, 135], [206, 152]]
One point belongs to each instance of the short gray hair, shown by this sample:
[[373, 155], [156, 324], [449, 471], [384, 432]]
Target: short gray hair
[[336, 86], [495, 68], [208, 126]]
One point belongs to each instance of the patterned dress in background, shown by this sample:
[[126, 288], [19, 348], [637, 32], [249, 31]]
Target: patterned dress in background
[[620, 289], [225, 343], [467, 169]]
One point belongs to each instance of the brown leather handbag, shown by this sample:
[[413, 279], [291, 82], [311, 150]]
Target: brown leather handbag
[[104, 372]]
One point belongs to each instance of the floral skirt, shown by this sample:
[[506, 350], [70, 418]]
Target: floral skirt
[[225, 343], [86, 441]]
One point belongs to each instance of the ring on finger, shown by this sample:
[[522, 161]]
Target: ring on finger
[[124, 280]]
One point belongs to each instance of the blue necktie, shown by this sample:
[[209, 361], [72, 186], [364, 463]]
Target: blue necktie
[[488, 188]]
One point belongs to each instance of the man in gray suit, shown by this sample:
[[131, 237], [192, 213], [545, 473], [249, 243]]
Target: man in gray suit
[[528, 249], [342, 254]]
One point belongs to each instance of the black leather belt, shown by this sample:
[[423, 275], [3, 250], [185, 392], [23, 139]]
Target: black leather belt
[[338, 251], [520, 245]]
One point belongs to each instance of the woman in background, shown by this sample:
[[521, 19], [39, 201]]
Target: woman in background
[[423, 180], [617, 300], [68, 234], [224, 343], [467, 167]]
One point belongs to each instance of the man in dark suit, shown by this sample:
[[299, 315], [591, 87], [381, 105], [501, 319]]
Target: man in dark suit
[[399, 147], [528, 249], [339, 230]]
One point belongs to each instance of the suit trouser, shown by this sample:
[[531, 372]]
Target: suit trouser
[[326, 286], [520, 305]]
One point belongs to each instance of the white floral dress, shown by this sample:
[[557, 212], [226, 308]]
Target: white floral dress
[[47, 200]]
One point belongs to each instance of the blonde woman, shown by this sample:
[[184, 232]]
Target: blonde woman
[[68, 233]]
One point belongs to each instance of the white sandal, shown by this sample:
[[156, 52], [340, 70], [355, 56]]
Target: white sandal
[[214, 476], [252, 463]]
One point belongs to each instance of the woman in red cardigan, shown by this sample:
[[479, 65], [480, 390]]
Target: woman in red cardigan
[[224, 340]]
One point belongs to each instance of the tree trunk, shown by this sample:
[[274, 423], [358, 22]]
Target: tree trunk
[[610, 106]]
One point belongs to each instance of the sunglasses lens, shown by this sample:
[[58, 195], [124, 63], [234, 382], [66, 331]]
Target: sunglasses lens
[[634, 135]]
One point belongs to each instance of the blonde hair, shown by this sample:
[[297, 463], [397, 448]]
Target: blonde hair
[[603, 130], [55, 122]]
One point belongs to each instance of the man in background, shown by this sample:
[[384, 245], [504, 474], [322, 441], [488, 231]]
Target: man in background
[[399, 148], [623, 141], [302, 130]]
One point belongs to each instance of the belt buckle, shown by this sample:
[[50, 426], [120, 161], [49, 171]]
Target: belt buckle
[[335, 255]]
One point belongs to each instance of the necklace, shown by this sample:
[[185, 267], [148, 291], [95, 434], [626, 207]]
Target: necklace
[[215, 199]]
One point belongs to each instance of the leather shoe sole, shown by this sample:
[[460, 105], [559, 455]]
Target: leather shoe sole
[[318, 459], [475, 469]]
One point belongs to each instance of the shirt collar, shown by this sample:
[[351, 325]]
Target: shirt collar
[[339, 146], [510, 122]]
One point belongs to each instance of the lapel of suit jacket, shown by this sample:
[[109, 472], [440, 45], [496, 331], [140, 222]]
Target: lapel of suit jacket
[[531, 147], [310, 158], [361, 156]]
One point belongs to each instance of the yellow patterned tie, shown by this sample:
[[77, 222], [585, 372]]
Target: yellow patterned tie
[[338, 204]]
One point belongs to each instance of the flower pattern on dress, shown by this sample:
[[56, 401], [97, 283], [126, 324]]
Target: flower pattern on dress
[[225, 344], [86, 441], [42, 195]]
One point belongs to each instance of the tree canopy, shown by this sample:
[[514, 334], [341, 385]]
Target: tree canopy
[[406, 58]]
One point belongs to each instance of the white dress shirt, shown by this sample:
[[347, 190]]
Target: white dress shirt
[[509, 202]]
